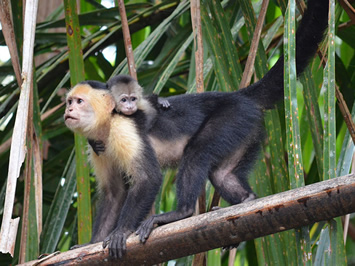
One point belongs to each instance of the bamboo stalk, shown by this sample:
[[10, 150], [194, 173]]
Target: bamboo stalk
[[18, 145], [77, 74]]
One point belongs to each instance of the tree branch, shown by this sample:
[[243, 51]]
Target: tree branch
[[291, 209], [127, 40]]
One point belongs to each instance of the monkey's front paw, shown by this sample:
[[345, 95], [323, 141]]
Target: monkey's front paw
[[165, 104], [100, 147], [116, 243], [250, 197], [145, 229], [97, 145]]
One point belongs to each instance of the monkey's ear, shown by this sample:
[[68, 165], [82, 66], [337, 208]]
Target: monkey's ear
[[110, 103]]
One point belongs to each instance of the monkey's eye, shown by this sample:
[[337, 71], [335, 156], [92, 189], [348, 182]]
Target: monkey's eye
[[133, 99], [79, 101], [70, 101], [124, 100]]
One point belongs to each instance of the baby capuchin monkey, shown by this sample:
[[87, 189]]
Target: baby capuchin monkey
[[128, 95]]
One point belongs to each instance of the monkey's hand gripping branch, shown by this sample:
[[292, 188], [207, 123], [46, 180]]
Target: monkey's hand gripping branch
[[116, 242]]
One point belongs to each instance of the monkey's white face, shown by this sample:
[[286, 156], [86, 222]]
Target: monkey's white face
[[126, 103], [79, 114]]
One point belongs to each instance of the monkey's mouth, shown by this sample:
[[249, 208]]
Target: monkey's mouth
[[129, 112], [66, 117]]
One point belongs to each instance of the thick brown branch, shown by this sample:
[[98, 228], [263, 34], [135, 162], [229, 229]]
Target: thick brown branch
[[198, 44], [127, 40], [291, 209]]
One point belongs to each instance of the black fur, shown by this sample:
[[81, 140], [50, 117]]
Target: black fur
[[95, 84]]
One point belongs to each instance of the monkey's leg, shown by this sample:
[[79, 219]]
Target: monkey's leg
[[108, 210], [188, 190], [230, 177], [137, 205], [143, 188]]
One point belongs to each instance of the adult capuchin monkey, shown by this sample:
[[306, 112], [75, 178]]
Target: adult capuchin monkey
[[127, 172], [209, 135]]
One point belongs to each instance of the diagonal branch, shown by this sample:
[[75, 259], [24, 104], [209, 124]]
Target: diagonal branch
[[127, 40], [249, 66], [348, 9], [283, 211], [9, 35]]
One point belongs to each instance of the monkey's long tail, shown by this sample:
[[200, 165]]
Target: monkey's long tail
[[270, 89]]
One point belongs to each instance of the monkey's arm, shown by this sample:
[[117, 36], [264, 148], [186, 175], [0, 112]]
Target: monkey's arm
[[137, 205], [108, 211], [111, 200], [158, 102], [106, 216], [143, 187]]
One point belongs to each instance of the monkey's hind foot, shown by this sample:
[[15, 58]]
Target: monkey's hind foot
[[251, 197], [146, 228], [231, 247]]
